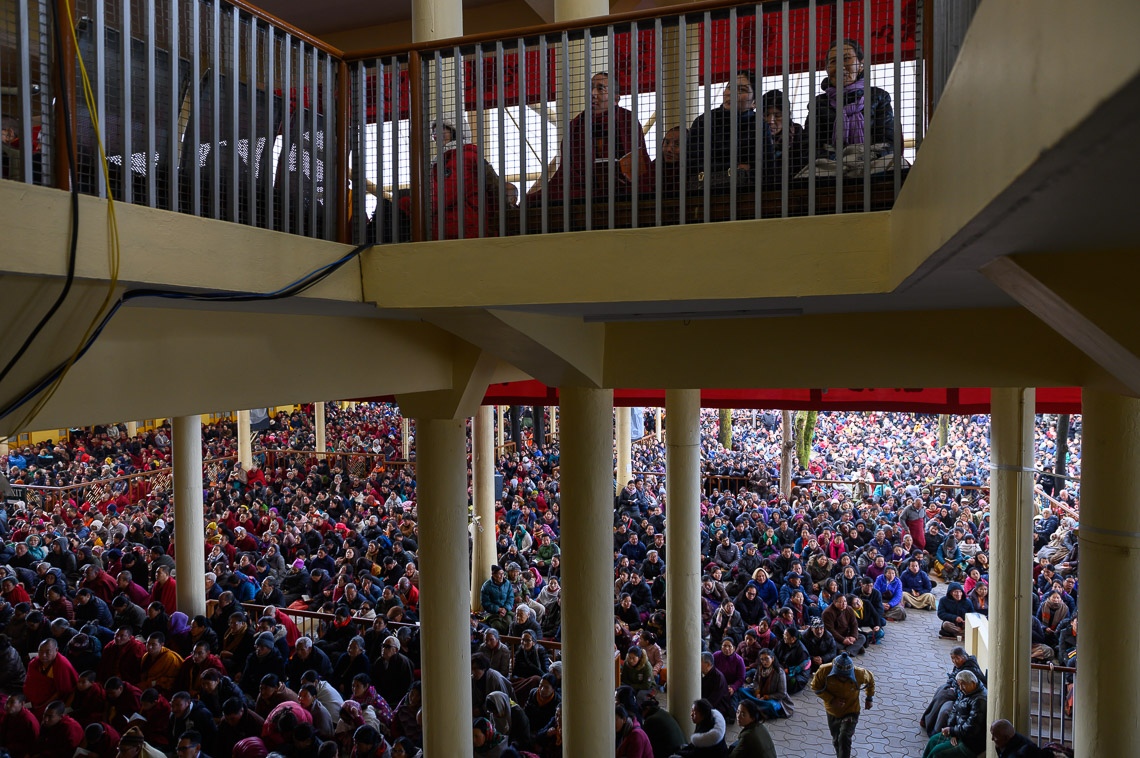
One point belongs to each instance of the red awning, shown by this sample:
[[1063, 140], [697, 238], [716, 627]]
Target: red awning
[[916, 400]]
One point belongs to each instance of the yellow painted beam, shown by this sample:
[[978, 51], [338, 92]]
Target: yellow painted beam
[[798, 257], [161, 362], [1029, 72], [974, 348], [471, 373], [556, 350], [160, 248], [1095, 315]]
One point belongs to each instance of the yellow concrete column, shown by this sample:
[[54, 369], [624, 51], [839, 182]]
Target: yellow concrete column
[[132, 428], [624, 446], [3, 446], [500, 427], [1011, 545], [245, 444], [189, 525], [441, 455], [587, 573], [436, 19], [405, 439], [659, 431], [319, 426], [682, 536], [553, 420], [1108, 647], [483, 479]]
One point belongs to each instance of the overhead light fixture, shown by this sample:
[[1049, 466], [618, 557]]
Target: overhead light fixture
[[693, 315]]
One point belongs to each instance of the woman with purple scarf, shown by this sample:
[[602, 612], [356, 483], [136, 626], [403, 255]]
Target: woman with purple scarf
[[846, 124]]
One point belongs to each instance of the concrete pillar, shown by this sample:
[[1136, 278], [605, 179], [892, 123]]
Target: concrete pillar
[[572, 10], [553, 421], [659, 430], [1108, 646], [189, 525], [682, 535], [132, 428], [4, 446], [483, 480], [500, 427], [405, 439], [624, 447], [587, 574], [1011, 545], [319, 426], [245, 445], [441, 455], [436, 19]]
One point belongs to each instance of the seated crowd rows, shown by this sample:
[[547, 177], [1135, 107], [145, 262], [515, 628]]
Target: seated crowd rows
[[95, 652]]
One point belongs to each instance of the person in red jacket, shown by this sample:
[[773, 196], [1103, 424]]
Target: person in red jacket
[[100, 582], [19, 729], [50, 677], [456, 154], [60, 734], [14, 592], [164, 590], [122, 656]]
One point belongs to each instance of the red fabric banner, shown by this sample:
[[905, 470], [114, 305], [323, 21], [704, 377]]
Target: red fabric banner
[[370, 95], [511, 78], [883, 38], [641, 67]]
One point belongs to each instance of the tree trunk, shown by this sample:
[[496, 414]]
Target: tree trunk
[[787, 447], [725, 436], [1061, 465], [805, 433], [943, 429]]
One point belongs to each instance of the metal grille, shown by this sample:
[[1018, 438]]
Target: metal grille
[[25, 91]]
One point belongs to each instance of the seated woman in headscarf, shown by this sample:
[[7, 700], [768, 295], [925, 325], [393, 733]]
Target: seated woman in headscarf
[[509, 719], [487, 741]]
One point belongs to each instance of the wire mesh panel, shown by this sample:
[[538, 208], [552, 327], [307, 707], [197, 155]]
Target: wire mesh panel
[[771, 109], [25, 90], [204, 108]]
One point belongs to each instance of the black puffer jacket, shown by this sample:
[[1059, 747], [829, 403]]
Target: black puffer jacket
[[968, 718], [880, 129]]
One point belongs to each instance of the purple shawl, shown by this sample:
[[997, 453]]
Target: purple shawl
[[850, 127]]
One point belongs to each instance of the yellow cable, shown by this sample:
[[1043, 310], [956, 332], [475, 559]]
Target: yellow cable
[[112, 231]]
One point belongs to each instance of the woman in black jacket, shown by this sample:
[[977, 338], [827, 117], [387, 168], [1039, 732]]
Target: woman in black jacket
[[840, 110]]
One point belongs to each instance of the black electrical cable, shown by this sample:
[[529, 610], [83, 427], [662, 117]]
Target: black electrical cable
[[73, 175], [291, 290]]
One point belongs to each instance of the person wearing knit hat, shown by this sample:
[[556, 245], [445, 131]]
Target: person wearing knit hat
[[838, 684]]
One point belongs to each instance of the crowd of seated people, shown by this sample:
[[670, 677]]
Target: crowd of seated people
[[95, 652]]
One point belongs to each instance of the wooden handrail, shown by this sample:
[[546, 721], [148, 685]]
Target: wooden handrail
[[126, 477], [527, 32], [303, 36]]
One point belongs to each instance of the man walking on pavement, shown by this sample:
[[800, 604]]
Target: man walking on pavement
[[838, 684]]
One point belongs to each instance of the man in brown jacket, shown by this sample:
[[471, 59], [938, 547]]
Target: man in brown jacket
[[841, 621]]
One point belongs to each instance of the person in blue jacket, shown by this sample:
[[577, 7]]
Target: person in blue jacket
[[890, 588]]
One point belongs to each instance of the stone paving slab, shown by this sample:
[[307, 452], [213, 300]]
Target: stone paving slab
[[909, 665]]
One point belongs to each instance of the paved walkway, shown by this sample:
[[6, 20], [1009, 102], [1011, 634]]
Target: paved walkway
[[909, 665]]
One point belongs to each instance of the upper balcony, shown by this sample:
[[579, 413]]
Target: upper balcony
[[715, 112]]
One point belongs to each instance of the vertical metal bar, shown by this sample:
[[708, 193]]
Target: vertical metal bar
[[501, 102], [65, 71], [128, 167], [23, 20], [288, 107], [522, 136], [216, 115], [683, 101], [634, 128], [460, 120], [544, 123], [760, 169], [611, 130], [813, 116], [733, 114], [706, 28], [100, 85], [196, 107], [417, 162], [896, 54], [300, 108], [785, 64], [867, 82], [659, 125], [151, 115], [174, 159], [251, 148], [437, 174], [235, 120], [564, 163], [481, 136], [379, 100], [314, 125], [270, 124], [587, 121], [359, 124], [840, 100], [337, 110], [395, 83], [920, 83]]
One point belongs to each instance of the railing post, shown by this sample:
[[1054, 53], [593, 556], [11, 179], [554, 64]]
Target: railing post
[[417, 147], [343, 113], [64, 66]]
